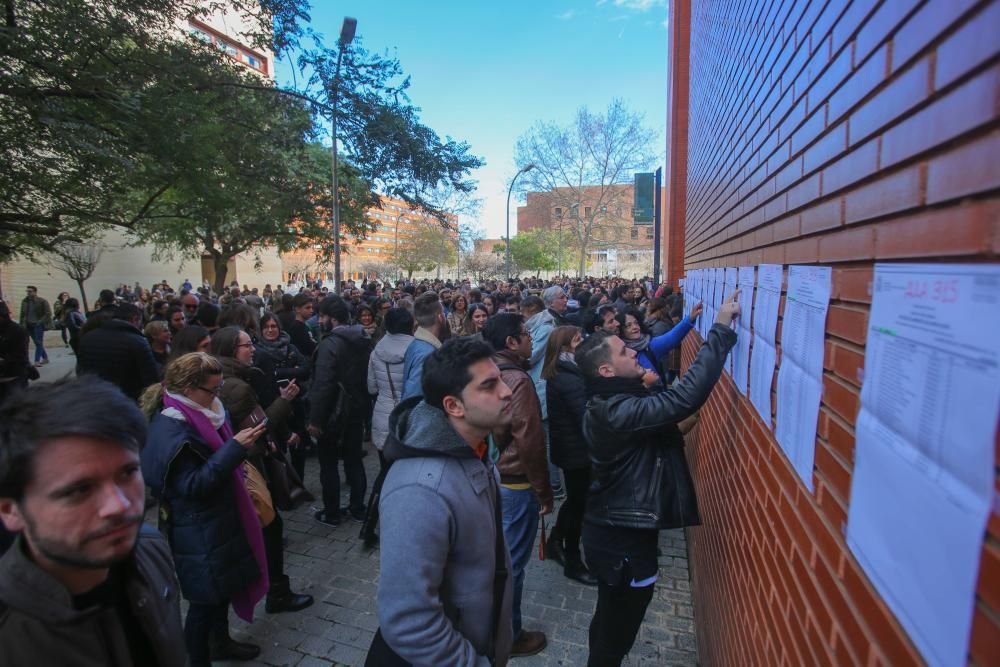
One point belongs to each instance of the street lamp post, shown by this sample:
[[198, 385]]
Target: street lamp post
[[523, 170], [346, 37], [399, 269]]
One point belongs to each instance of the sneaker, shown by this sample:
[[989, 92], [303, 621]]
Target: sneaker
[[559, 493], [326, 518], [529, 643], [356, 517]]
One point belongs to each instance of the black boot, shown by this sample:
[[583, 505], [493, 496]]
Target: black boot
[[281, 598], [554, 548], [228, 648], [577, 571]]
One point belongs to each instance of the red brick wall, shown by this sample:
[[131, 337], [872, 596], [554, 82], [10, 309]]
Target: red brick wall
[[840, 133]]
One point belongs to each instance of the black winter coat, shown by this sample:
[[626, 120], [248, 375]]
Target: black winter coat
[[342, 356], [120, 354], [641, 478], [566, 396], [198, 510]]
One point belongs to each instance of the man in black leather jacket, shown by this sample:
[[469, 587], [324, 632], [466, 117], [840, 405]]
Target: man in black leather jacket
[[641, 483]]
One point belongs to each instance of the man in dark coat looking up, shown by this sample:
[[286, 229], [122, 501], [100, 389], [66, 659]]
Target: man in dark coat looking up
[[641, 483], [119, 353]]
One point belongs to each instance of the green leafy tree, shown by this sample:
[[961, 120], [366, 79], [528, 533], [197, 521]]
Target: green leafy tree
[[534, 251], [429, 247]]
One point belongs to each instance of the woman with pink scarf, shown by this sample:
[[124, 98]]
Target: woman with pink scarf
[[194, 466]]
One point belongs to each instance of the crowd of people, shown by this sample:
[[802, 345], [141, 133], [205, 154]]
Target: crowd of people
[[485, 404]]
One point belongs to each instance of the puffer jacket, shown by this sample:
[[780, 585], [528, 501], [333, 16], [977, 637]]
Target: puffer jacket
[[522, 442], [40, 626], [640, 475], [567, 396], [385, 378], [198, 509]]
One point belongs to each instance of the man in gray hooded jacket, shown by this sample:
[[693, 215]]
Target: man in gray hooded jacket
[[444, 594]]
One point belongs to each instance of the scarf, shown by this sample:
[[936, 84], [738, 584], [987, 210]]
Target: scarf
[[568, 357], [213, 428], [639, 344]]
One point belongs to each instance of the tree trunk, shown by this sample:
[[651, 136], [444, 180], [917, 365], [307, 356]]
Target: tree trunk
[[221, 265], [84, 305]]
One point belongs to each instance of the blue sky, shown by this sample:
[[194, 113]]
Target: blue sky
[[485, 71]]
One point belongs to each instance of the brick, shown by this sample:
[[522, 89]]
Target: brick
[[881, 25], [804, 193], [840, 398], [862, 82], [830, 79], [848, 364], [873, 613], [892, 193], [847, 245], [901, 94], [836, 472], [832, 508], [968, 47], [843, 600], [848, 323], [966, 108], [850, 21], [967, 170], [923, 27], [965, 230], [820, 217], [830, 145], [860, 163], [852, 284], [984, 645]]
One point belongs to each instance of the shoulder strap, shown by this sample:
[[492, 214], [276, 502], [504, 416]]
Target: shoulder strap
[[392, 385]]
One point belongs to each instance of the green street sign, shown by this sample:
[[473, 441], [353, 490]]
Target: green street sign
[[644, 192]]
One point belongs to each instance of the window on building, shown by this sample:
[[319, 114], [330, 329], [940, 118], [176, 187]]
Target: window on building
[[635, 233], [649, 232], [586, 211], [558, 212]]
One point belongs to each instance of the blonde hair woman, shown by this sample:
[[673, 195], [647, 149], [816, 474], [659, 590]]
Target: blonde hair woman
[[193, 463]]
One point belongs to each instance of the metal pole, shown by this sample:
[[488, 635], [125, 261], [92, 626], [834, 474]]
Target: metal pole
[[336, 197], [656, 228], [523, 170]]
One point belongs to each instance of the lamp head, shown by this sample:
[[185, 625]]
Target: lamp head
[[526, 168], [347, 30]]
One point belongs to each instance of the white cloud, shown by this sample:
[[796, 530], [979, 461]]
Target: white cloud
[[639, 5], [566, 16]]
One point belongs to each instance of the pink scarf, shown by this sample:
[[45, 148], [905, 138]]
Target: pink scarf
[[243, 600]]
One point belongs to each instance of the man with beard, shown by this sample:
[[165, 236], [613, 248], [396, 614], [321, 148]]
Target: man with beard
[[83, 584]]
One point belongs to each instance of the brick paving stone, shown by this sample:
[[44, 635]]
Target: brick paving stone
[[332, 565]]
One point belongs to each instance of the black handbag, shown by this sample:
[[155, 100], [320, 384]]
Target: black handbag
[[287, 491]]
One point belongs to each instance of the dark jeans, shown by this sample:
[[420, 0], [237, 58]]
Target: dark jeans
[[570, 520], [333, 447], [204, 621], [37, 333], [520, 524], [619, 613]]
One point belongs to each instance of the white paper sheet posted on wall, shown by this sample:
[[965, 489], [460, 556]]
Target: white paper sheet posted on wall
[[923, 477], [765, 321], [800, 378]]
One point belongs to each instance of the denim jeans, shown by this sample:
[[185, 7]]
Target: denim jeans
[[37, 333], [520, 523]]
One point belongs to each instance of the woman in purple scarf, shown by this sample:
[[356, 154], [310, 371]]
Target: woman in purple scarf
[[193, 464]]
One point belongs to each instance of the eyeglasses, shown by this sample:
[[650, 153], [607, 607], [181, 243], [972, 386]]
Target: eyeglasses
[[190, 306], [216, 390], [244, 345]]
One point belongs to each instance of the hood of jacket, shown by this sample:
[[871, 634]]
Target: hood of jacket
[[392, 348], [418, 430], [538, 320], [353, 334]]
